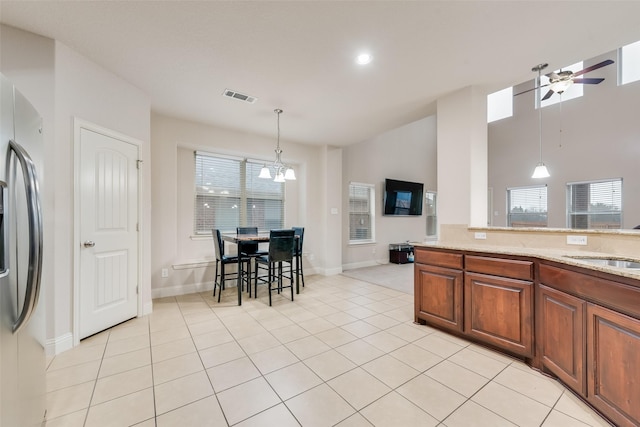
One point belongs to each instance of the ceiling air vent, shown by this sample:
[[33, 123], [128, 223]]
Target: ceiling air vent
[[239, 96]]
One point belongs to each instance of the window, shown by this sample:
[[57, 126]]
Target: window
[[431, 212], [596, 204], [229, 194], [630, 63], [500, 105], [574, 91], [361, 213], [527, 206]]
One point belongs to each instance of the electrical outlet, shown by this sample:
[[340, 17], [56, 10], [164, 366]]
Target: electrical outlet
[[165, 272], [480, 236], [576, 240]]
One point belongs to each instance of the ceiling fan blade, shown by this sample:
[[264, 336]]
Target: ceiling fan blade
[[589, 81], [547, 96], [593, 67], [529, 90]]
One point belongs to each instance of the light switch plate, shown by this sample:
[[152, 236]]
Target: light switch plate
[[480, 236], [576, 240]]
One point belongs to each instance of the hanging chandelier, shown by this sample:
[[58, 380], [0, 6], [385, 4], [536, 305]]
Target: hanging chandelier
[[541, 170], [282, 171]]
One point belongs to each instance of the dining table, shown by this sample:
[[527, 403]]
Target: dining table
[[244, 239]]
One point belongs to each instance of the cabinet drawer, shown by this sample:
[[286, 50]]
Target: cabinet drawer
[[438, 258], [513, 268], [614, 295]]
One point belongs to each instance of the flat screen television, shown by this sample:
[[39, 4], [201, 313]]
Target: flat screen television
[[402, 198]]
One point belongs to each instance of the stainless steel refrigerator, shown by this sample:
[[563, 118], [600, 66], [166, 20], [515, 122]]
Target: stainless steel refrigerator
[[22, 359]]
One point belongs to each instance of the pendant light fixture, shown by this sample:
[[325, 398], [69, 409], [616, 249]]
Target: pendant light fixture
[[282, 171], [541, 170]]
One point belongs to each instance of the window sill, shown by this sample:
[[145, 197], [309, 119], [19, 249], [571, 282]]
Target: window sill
[[362, 243]]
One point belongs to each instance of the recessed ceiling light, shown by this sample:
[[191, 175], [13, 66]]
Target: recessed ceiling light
[[364, 58]]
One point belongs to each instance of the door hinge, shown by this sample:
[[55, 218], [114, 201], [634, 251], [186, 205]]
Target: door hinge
[[138, 163], [137, 226], [136, 289]]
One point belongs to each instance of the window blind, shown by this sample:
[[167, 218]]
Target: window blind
[[265, 199]]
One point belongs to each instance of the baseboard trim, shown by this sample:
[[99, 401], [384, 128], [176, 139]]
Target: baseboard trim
[[58, 345], [173, 291]]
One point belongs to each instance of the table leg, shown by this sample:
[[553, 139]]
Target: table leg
[[240, 273], [297, 274]]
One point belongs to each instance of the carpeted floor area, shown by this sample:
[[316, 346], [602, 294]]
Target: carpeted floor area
[[394, 276]]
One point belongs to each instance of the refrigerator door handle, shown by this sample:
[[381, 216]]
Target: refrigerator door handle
[[4, 261], [35, 233]]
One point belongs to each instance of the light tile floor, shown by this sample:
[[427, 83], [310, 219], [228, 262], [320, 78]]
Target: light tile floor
[[344, 353]]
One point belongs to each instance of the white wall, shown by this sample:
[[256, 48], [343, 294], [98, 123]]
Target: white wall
[[407, 153], [462, 158], [62, 84], [173, 245], [600, 140]]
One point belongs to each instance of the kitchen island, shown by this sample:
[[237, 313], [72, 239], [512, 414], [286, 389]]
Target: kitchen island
[[559, 311]]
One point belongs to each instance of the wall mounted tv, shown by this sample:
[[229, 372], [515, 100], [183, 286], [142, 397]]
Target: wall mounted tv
[[402, 198]]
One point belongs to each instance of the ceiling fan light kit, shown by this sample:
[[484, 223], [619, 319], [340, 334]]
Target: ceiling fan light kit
[[562, 80]]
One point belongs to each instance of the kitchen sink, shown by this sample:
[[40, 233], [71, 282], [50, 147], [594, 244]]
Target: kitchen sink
[[609, 262]]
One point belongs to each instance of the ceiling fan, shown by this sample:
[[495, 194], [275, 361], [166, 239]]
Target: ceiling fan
[[560, 81]]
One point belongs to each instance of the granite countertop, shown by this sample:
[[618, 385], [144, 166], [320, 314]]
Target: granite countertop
[[569, 257]]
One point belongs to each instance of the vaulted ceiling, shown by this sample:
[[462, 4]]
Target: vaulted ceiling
[[299, 55]]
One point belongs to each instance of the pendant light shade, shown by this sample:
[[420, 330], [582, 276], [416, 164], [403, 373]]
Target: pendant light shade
[[290, 174], [282, 171], [540, 171], [264, 172]]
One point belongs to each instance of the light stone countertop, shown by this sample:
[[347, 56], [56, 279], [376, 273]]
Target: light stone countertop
[[564, 256]]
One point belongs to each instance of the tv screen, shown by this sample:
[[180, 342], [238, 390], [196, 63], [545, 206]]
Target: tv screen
[[402, 197]]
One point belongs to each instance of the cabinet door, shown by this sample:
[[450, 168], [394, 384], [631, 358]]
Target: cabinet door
[[499, 311], [438, 296], [561, 331], [613, 364]]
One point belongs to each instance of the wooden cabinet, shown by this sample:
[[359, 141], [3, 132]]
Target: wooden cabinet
[[438, 281], [499, 311], [438, 296], [561, 336], [613, 363], [587, 322], [498, 307]]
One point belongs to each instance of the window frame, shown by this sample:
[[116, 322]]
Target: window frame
[[528, 188], [239, 188], [431, 215], [588, 213], [371, 200], [629, 53]]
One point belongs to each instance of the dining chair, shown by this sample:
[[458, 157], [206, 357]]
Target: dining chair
[[281, 250], [223, 260]]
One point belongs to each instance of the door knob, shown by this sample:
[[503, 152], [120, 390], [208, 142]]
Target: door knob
[[89, 244]]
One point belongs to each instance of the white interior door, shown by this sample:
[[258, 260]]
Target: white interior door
[[108, 232]]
